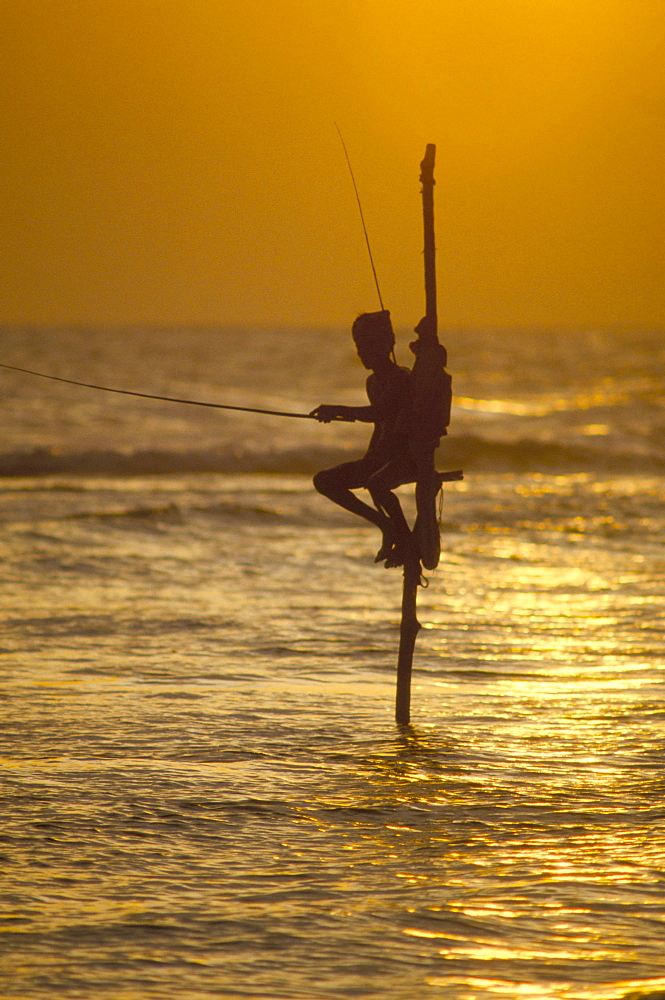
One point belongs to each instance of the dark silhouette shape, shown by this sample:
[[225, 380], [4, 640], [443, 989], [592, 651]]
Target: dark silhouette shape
[[387, 462], [431, 398], [401, 449], [410, 412]]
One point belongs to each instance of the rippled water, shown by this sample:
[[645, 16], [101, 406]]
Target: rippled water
[[204, 793]]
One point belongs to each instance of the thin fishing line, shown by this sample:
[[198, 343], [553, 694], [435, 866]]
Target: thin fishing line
[[167, 399], [362, 217]]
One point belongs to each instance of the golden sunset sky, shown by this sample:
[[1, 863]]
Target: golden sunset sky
[[176, 161]]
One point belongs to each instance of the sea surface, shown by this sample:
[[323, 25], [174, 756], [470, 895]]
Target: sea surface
[[204, 792]]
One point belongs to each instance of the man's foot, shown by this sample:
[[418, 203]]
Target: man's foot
[[386, 546], [396, 557], [403, 550]]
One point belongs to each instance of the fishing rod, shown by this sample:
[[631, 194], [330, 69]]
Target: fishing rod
[[362, 216], [167, 399], [220, 406]]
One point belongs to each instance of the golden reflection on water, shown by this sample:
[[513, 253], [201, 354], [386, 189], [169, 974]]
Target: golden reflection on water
[[510, 828], [624, 990], [564, 823], [543, 405]]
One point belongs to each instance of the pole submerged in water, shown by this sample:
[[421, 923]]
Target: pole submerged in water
[[409, 628]]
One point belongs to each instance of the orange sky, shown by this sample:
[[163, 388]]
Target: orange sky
[[176, 161]]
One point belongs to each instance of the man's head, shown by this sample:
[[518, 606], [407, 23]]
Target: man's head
[[373, 336]]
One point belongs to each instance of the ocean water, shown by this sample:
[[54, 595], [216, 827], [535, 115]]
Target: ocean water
[[204, 793]]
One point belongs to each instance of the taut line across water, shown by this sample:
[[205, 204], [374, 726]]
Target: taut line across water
[[167, 399]]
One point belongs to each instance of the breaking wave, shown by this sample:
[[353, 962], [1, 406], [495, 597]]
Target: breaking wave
[[470, 452]]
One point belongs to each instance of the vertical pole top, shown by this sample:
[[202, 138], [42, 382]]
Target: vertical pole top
[[427, 181]]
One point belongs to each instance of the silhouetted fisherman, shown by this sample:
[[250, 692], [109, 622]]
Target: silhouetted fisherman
[[388, 462]]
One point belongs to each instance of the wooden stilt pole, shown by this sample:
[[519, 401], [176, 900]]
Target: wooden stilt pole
[[410, 626], [427, 181], [409, 629]]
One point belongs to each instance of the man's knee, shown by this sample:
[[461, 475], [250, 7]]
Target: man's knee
[[339, 479], [319, 482], [324, 482]]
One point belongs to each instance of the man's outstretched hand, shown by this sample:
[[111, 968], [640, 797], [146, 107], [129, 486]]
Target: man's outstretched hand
[[327, 413]]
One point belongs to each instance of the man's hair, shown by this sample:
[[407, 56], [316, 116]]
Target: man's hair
[[374, 329]]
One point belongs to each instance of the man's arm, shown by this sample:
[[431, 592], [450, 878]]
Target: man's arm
[[327, 413]]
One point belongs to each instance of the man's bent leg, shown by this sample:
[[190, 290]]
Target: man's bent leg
[[398, 541], [337, 484]]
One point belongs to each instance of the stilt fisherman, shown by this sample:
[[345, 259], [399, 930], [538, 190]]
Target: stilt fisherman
[[388, 462], [410, 412]]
